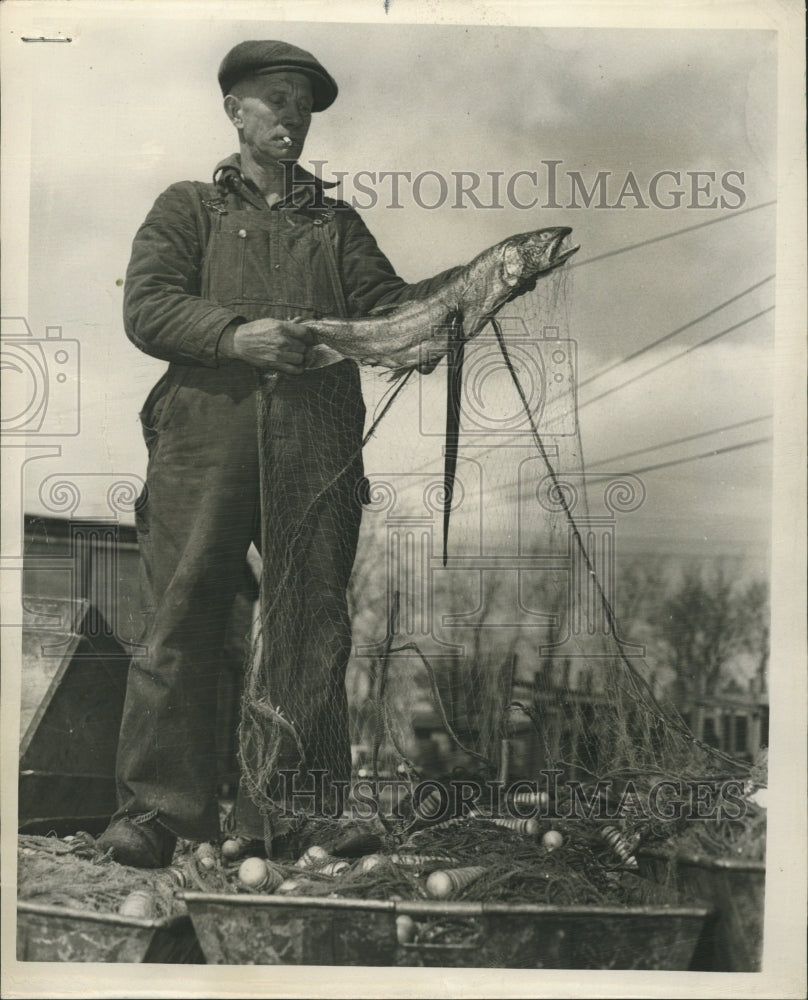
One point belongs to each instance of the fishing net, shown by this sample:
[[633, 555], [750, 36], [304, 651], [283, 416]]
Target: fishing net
[[73, 874], [294, 711], [516, 869], [498, 657]]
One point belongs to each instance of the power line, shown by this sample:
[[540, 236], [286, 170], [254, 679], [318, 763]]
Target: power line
[[705, 454], [615, 458], [673, 333], [676, 357], [681, 440], [648, 242], [515, 487], [667, 236], [656, 343]]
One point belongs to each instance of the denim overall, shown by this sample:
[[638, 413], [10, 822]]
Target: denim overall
[[201, 510]]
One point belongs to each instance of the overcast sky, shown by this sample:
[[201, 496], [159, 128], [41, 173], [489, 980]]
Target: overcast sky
[[132, 105]]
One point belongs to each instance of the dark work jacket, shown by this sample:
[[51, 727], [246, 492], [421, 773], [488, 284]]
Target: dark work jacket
[[209, 255]]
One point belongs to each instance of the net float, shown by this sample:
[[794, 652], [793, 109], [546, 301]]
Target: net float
[[432, 806], [444, 883], [334, 868], [255, 873], [405, 929], [417, 860], [615, 840], [177, 876], [530, 799], [138, 904], [288, 885], [314, 855], [206, 856], [369, 862], [530, 827], [234, 848], [551, 840]]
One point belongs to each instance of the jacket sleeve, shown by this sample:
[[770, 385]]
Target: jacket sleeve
[[368, 277], [164, 314]]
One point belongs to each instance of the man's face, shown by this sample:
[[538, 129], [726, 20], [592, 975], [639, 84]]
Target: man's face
[[269, 108]]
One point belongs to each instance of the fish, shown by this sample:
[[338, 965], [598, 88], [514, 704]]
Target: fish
[[419, 333]]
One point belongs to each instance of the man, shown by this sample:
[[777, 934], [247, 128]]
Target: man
[[221, 280]]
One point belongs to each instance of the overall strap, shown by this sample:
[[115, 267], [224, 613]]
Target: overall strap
[[207, 200], [326, 227]]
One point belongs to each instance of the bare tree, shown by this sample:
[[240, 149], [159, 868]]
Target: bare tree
[[706, 623]]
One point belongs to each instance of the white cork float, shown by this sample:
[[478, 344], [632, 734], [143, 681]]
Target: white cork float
[[528, 826], [255, 873], [205, 856], [552, 840], [138, 903], [314, 857], [447, 882]]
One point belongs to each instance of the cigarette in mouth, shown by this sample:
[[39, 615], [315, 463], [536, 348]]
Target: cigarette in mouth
[[287, 140]]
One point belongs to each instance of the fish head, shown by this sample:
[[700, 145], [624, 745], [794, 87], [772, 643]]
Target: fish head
[[508, 270], [530, 254]]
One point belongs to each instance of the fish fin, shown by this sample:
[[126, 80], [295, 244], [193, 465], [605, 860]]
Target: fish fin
[[396, 373], [454, 381]]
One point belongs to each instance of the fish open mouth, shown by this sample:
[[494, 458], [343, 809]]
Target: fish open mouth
[[543, 256], [558, 252]]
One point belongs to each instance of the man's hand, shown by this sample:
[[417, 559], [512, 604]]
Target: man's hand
[[277, 345]]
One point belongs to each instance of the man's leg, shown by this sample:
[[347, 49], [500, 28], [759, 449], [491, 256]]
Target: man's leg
[[194, 529]]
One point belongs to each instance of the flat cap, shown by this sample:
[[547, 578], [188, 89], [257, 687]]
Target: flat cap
[[255, 57]]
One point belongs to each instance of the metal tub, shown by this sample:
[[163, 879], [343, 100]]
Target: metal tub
[[48, 933], [734, 889], [268, 930]]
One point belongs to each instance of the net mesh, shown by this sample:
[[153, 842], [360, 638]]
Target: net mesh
[[507, 661], [294, 711]]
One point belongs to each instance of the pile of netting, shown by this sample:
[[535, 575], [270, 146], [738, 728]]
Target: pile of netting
[[470, 860], [740, 837], [505, 658], [71, 873]]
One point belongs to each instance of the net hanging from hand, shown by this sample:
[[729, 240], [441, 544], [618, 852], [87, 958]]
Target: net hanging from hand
[[517, 633]]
